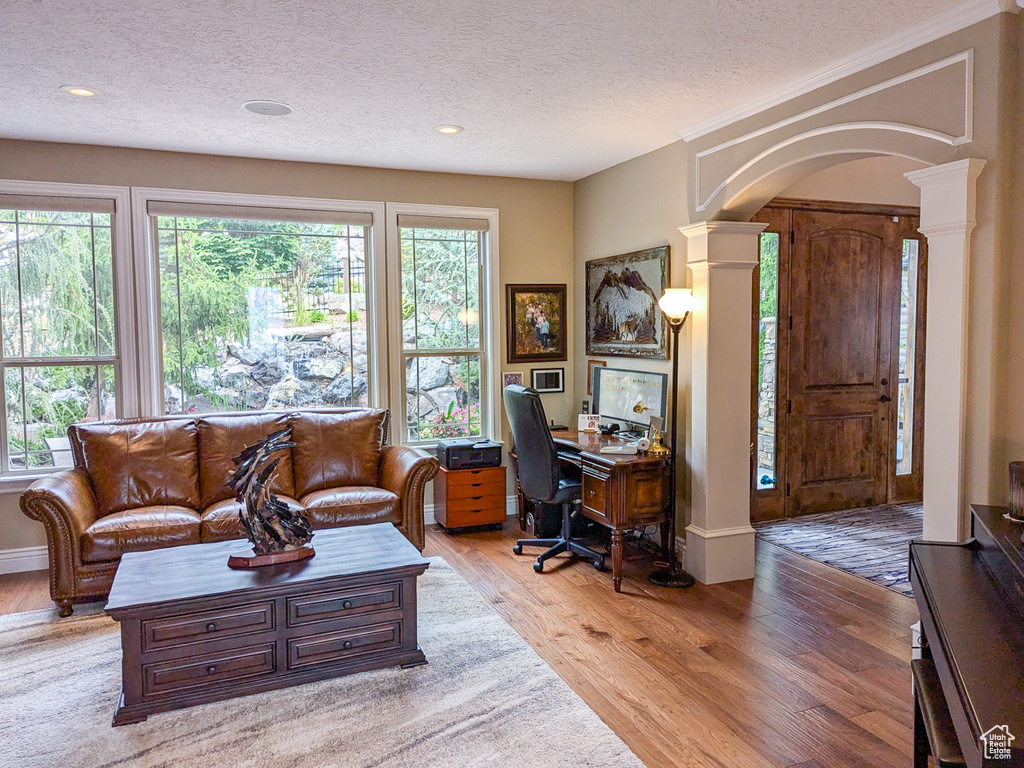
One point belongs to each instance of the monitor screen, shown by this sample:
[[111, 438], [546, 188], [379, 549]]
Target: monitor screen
[[617, 391]]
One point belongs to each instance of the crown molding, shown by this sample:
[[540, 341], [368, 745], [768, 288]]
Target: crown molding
[[944, 24]]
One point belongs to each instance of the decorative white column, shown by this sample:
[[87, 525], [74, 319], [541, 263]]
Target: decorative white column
[[947, 219], [719, 540]]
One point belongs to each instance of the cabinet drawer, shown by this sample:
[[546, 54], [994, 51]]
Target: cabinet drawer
[[470, 476], [175, 631], [310, 609], [476, 516], [475, 502], [336, 646], [168, 677], [596, 489], [476, 490]]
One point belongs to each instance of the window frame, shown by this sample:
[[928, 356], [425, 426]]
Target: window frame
[[147, 287], [125, 357], [490, 318]]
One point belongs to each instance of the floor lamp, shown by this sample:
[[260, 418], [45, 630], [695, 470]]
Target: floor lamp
[[676, 304]]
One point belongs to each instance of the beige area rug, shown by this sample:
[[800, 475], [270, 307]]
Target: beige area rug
[[485, 699]]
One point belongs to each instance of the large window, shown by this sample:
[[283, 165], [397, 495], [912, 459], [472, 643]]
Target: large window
[[261, 309], [59, 356], [446, 322]]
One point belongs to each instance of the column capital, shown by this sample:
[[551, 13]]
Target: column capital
[[962, 170], [722, 244], [722, 228]]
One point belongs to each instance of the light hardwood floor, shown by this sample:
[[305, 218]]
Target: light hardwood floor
[[804, 666]]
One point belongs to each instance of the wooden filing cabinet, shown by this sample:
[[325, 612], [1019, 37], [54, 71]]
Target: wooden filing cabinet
[[469, 497]]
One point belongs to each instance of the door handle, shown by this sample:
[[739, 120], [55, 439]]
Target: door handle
[[885, 399]]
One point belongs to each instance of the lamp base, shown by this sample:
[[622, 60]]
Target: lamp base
[[671, 576]]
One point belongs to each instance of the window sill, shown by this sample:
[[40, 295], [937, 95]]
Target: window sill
[[17, 484]]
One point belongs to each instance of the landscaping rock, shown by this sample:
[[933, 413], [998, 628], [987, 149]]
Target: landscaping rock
[[344, 390], [433, 372], [267, 372], [319, 368], [247, 356]]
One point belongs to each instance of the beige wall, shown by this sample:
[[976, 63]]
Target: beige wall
[[871, 180], [640, 203], [1009, 440], [535, 221]]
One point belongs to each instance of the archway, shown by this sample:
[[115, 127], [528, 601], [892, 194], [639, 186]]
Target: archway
[[719, 544]]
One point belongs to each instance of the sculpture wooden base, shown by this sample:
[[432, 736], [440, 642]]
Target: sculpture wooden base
[[241, 562]]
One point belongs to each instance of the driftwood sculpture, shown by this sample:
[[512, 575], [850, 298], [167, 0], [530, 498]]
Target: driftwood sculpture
[[278, 534]]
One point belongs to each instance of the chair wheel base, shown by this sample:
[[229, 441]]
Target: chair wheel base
[[538, 567], [517, 549], [599, 564]]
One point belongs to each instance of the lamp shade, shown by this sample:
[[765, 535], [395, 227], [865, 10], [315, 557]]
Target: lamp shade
[[676, 303]]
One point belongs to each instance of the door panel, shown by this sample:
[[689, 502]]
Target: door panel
[[841, 285]]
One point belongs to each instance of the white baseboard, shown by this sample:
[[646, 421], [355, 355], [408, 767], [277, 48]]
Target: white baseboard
[[511, 509], [24, 559]]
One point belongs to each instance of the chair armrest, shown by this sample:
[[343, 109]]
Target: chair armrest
[[405, 471], [66, 505]]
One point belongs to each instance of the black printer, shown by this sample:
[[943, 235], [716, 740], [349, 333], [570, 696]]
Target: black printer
[[468, 453]]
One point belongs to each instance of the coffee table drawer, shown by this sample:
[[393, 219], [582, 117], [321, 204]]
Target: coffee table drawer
[[355, 601], [169, 677], [175, 631], [335, 646]]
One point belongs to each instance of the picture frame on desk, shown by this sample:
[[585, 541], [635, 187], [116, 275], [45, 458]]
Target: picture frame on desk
[[591, 365]]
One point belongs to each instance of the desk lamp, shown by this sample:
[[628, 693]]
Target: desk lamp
[[676, 304]]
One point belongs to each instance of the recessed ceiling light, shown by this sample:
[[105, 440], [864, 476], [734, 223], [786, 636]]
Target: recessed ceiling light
[[78, 90], [271, 108], [449, 129]]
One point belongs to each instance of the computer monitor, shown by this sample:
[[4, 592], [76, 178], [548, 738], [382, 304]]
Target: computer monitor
[[617, 391]]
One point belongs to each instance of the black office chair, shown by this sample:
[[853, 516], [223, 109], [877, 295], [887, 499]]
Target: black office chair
[[541, 478]]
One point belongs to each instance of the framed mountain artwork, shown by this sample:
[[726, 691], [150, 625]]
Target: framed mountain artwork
[[623, 318]]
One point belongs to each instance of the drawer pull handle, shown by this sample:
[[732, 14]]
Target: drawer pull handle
[[211, 670], [347, 644], [211, 627], [476, 485], [347, 604]]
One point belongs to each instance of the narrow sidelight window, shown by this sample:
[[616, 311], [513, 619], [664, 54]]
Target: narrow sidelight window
[[767, 362]]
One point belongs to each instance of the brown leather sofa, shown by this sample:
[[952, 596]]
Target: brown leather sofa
[[141, 484]]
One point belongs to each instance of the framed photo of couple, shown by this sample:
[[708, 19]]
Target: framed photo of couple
[[536, 323]]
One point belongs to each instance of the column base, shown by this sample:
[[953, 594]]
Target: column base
[[719, 555]]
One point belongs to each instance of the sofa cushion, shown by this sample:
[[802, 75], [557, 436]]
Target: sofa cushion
[[221, 522], [221, 438], [134, 464], [353, 505], [138, 530], [336, 449]]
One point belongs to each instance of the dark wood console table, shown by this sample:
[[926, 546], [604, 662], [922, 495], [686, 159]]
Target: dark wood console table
[[620, 492], [195, 631]]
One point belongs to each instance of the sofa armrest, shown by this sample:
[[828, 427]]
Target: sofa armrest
[[405, 471], [66, 505]]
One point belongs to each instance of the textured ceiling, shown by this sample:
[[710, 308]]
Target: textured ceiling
[[555, 89]]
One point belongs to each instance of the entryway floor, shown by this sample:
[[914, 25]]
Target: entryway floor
[[870, 542]]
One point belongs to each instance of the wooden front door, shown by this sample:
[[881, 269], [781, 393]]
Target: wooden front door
[[838, 368], [840, 360]]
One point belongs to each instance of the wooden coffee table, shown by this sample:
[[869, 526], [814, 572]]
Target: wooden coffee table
[[195, 631]]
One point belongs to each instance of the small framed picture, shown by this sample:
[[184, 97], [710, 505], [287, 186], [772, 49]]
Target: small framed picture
[[512, 377], [591, 365], [548, 379]]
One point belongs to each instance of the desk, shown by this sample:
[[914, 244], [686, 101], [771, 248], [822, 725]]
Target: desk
[[619, 492]]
